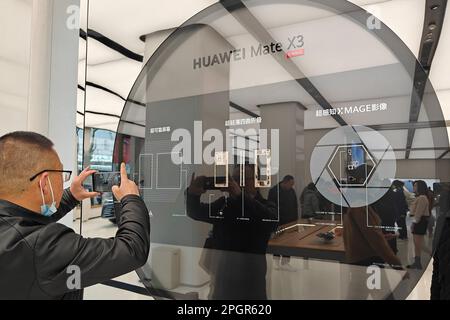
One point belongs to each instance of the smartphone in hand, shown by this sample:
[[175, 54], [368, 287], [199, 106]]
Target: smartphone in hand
[[104, 181]]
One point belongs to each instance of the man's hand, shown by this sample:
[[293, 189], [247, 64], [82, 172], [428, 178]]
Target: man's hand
[[127, 186], [197, 185], [77, 189]]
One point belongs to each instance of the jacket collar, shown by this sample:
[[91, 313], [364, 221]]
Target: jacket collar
[[10, 209]]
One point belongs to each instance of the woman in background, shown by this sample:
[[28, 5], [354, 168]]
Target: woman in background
[[421, 213]]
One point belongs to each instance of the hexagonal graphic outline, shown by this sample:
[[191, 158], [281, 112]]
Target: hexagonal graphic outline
[[346, 146]]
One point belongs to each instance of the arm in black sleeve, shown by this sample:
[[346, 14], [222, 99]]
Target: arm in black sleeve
[[260, 209], [202, 211], [435, 281], [98, 260], [68, 203]]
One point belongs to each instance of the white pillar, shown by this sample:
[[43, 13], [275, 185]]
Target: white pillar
[[15, 34], [53, 78], [40, 64], [288, 118]]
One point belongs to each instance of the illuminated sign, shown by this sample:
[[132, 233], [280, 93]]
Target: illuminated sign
[[293, 49], [238, 122]]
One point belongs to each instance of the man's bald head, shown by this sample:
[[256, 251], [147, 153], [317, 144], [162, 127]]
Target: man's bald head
[[22, 155]]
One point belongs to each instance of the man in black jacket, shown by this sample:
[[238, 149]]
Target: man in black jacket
[[285, 197], [42, 259], [242, 226]]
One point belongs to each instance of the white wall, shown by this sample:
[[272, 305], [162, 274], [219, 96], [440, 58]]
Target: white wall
[[39, 68], [15, 35]]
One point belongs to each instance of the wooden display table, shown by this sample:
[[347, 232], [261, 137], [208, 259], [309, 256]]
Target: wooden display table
[[300, 240]]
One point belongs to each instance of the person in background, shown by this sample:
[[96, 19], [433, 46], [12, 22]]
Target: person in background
[[365, 244], [409, 196], [285, 197], [309, 201], [238, 264], [432, 220], [386, 209], [364, 241], [401, 206], [442, 212], [39, 258], [440, 284], [421, 213]]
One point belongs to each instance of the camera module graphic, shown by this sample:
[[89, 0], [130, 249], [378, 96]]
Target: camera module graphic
[[352, 166]]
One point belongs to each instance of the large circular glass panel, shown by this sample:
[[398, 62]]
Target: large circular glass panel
[[276, 144]]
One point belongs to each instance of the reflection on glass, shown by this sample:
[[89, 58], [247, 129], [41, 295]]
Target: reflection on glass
[[320, 185], [236, 247]]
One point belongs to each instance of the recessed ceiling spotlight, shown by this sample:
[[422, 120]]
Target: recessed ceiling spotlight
[[432, 26]]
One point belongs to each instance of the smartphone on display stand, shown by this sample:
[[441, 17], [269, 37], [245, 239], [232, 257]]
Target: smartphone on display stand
[[220, 178], [263, 175], [221, 170]]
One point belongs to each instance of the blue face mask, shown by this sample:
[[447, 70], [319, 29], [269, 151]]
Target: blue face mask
[[48, 210]]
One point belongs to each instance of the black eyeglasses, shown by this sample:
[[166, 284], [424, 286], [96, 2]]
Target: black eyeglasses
[[65, 173]]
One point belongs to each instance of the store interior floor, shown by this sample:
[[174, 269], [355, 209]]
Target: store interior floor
[[301, 282]]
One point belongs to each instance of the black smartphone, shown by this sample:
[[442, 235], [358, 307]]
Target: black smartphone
[[104, 181]]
